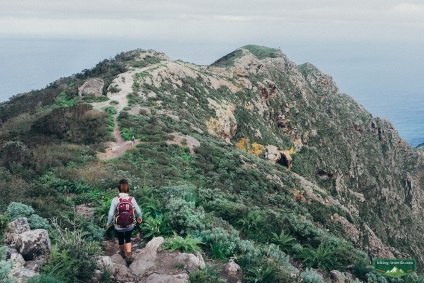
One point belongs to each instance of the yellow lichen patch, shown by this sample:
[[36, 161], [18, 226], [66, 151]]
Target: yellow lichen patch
[[254, 148], [242, 144]]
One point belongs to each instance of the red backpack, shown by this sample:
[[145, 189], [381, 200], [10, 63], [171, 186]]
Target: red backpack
[[124, 214]]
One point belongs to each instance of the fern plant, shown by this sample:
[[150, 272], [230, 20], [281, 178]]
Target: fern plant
[[157, 225], [323, 258], [187, 244], [251, 221], [260, 274], [285, 241]]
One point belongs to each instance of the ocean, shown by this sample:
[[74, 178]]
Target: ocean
[[387, 86]]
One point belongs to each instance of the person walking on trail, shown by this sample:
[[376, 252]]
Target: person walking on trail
[[122, 214]]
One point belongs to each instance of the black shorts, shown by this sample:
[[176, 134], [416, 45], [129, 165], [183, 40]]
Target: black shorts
[[124, 236]]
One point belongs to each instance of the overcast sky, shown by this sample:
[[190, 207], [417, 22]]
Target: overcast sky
[[217, 20], [369, 46]]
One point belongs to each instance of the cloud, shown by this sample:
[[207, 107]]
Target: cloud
[[410, 8], [212, 20]]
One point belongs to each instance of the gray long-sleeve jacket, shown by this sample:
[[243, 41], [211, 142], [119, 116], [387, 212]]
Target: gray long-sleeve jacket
[[112, 210]]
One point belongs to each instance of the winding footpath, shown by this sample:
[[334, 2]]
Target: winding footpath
[[117, 148]]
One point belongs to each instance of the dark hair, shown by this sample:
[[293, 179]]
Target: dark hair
[[123, 186]]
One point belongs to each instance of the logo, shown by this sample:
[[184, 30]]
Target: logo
[[394, 267]]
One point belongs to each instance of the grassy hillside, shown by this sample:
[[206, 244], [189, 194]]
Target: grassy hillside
[[261, 160]]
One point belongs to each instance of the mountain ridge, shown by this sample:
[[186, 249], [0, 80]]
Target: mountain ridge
[[266, 136]]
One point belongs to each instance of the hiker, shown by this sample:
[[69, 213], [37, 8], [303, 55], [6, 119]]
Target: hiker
[[132, 141], [122, 213]]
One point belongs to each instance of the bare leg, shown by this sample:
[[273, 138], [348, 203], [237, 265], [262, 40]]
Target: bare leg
[[128, 247]]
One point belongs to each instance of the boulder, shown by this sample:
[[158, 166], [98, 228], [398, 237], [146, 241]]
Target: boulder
[[191, 261], [34, 243], [105, 262], [273, 153], [16, 227], [164, 278], [92, 87], [21, 274], [123, 274], [19, 226], [232, 269], [337, 276], [146, 258], [117, 258]]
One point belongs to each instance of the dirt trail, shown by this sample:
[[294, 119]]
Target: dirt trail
[[124, 82]]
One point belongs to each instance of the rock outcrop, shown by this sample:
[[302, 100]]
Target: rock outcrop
[[26, 248], [154, 265], [92, 87]]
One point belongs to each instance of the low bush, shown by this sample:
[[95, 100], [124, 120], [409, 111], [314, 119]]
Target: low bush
[[43, 278], [285, 241], [16, 210], [73, 257], [155, 225], [183, 216], [207, 275], [37, 222], [310, 276]]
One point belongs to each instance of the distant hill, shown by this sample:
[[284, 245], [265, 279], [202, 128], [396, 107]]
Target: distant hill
[[263, 160]]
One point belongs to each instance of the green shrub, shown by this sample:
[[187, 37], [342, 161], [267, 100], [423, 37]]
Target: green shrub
[[5, 267], [4, 221], [285, 241], [260, 274], [155, 225], [322, 257], [44, 278], [73, 257], [37, 222], [252, 221], [223, 243], [207, 275], [16, 210], [310, 276], [184, 216], [187, 244], [374, 277]]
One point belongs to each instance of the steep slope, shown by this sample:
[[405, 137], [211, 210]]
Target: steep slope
[[240, 146]]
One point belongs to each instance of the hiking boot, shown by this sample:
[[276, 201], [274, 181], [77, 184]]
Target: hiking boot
[[123, 254], [129, 258]]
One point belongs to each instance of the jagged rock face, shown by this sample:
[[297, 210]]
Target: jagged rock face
[[93, 87], [260, 96]]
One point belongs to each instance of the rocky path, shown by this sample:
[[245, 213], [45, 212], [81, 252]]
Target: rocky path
[[124, 82]]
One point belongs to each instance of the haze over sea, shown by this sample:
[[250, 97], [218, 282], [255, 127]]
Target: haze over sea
[[387, 83]]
